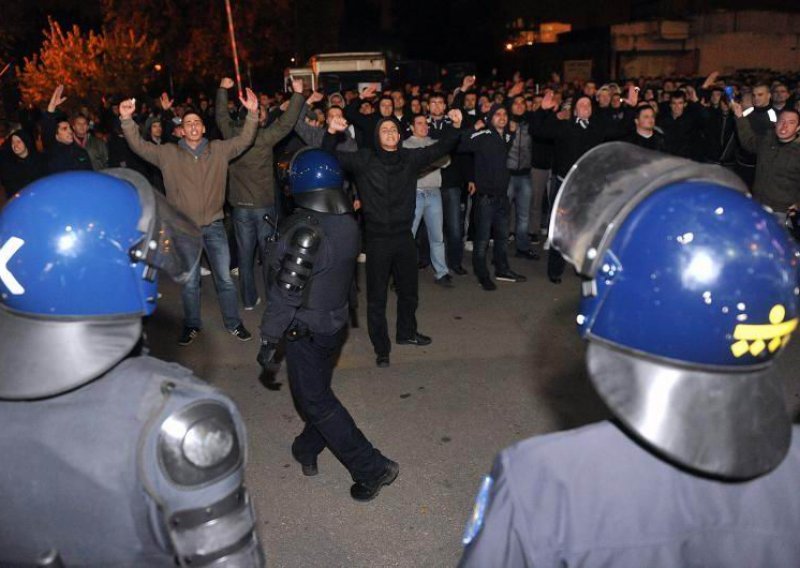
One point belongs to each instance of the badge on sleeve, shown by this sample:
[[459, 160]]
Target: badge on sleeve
[[475, 522]]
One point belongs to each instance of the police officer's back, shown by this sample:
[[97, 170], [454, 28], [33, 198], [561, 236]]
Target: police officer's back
[[690, 293], [111, 457]]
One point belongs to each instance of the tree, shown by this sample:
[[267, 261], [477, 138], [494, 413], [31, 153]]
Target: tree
[[88, 65]]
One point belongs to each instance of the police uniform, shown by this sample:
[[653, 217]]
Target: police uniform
[[311, 272], [593, 497], [689, 294], [110, 457]]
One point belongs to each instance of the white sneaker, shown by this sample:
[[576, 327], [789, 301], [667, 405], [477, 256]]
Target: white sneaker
[[235, 271], [362, 258], [253, 307], [204, 271], [468, 246]]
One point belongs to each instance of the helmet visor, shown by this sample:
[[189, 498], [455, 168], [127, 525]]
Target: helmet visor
[[605, 185], [172, 242]]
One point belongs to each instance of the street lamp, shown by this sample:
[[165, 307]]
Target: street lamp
[[509, 47]]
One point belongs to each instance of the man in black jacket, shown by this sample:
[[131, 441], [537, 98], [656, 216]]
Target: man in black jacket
[[60, 150], [682, 126], [366, 123], [573, 136], [387, 183], [490, 146], [646, 134], [455, 178]]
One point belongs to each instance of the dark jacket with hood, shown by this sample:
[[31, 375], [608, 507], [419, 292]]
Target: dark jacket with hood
[[387, 181], [61, 157], [367, 123], [490, 149], [15, 172]]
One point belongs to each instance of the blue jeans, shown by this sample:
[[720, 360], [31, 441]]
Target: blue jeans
[[491, 220], [429, 205], [453, 225], [215, 243], [519, 191], [252, 232]]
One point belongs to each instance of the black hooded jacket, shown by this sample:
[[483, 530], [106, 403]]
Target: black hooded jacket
[[387, 181], [16, 173], [61, 157]]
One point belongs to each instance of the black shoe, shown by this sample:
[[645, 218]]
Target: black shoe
[[445, 281], [459, 271], [487, 284], [423, 265], [509, 276], [368, 490], [187, 335], [555, 279], [309, 469], [527, 254], [241, 333], [382, 361], [419, 340], [535, 240]]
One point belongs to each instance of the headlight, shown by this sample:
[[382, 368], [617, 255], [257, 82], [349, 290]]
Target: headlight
[[207, 443]]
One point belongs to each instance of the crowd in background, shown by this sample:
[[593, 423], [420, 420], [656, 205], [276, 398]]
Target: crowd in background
[[518, 140]]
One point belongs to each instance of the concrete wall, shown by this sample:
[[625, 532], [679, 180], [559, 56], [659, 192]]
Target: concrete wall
[[722, 42]]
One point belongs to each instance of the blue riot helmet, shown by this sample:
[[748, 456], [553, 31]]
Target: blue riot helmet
[[690, 292], [79, 254], [316, 182]]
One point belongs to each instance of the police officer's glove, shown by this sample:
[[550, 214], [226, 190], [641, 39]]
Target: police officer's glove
[[266, 356]]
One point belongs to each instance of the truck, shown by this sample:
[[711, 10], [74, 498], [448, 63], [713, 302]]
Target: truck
[[337, 72]]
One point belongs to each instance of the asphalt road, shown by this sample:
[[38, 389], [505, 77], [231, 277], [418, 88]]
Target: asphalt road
[[503, 366]]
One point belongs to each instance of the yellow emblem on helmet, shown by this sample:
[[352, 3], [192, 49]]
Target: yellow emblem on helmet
[[754, 339]]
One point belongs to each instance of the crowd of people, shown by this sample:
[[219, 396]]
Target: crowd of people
[[499, 163]]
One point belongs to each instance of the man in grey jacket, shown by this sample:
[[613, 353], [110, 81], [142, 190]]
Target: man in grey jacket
[[429, 200], [251, 191]]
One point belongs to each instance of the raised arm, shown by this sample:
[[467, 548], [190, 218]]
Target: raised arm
[[424, 157], [747, 137], [351, 162], [221, 116], [50, 118], [148, 151], [287, 121], [238, 144]]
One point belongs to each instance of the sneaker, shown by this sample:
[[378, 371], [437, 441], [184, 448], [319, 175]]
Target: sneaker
[[527, 254], [487, 284], [187, 335], [459, 271], [235, 271], [445, 281], [468, 246], [535, 240], [204, 271], [361, 258], [241, 333], [253, 307], [509, 276], [419, 340], [382, 361]]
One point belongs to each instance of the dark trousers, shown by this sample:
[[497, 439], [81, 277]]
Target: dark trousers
[[328, 424], [491, 221], [555, 262], [453, 225], [391, 256]]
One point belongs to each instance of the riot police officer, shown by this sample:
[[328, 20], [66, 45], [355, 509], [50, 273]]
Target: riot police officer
[[690, 293], [110, 457], [311, 268]]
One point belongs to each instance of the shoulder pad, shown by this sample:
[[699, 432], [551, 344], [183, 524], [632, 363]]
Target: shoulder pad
[[198, 444], [306, 237]]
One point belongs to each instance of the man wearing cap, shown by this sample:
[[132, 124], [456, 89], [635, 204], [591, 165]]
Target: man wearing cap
[[689, 296]]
